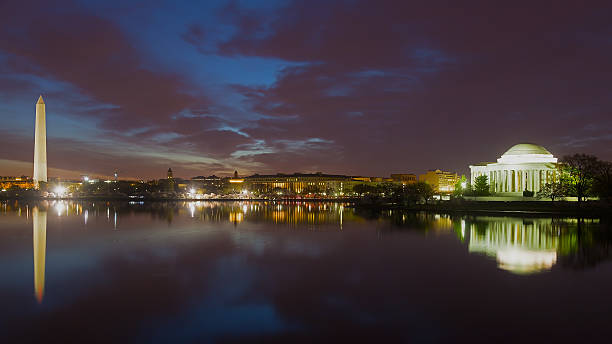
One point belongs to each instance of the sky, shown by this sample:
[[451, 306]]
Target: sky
[[353, 87]]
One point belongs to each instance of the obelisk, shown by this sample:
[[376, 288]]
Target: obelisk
[[40, 144]]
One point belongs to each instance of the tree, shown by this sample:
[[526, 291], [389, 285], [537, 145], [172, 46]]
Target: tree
[[363, 189], [425, 190], [580, 170], [553, 190], [417, 192], [481, 186], [602, 180]]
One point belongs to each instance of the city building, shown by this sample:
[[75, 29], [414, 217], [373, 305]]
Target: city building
[[23, 182], [234, 185], [298, 183], [40, 144], [523, 167], [207, 185], [442, 182], [404, 178]]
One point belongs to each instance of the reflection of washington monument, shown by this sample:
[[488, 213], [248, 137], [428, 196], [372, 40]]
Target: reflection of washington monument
[[39, 238]]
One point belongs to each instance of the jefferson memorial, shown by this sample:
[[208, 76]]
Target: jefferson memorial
[[524, 167]]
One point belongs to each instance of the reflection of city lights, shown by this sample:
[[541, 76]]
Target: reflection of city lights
[[59, 207], [236, 217]]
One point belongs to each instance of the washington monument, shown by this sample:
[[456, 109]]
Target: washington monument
[[40, 144]]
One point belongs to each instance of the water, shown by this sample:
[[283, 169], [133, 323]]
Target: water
[[312, 272]]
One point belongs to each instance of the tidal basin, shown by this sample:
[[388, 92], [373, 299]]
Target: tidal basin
[[297, 272]]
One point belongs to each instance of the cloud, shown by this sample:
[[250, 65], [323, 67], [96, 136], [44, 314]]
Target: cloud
[[435, 85], [105, 83]]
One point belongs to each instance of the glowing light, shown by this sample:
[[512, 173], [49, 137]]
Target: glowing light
[[86, 178], [192, 191], [525, 261], [463, 185], [244, 192], [59, 207], [59, 190]]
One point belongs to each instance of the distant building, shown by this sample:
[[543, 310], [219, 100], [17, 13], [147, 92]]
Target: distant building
[[169, 184], [362, 179], [210, 184], [404, 178], [442, 182], [298, 182], [523, 167], [234, 184], [23, 182], [236, 179]]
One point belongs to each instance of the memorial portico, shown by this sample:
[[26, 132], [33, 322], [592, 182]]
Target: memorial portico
[[524, 167]]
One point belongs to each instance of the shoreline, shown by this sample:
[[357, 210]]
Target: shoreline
[[500, 208], [497, 208]]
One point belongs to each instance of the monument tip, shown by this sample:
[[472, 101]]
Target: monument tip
[[40, 100]]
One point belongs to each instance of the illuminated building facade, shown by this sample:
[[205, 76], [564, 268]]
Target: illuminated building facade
[[404, 178], [523, 167], [234, 184], [22, 182], [298, 182], [210, 184], [442, 182]]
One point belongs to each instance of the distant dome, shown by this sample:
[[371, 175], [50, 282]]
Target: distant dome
[[526, 148]]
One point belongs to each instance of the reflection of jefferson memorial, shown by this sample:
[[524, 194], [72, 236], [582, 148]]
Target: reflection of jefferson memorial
[[524, 166], [520, 246]]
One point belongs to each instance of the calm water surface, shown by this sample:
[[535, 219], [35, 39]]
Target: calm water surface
[[313, 272]]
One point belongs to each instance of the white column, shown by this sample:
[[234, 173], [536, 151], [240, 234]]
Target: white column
[[516, 180]]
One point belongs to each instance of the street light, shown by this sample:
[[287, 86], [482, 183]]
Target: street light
[[60, 190]]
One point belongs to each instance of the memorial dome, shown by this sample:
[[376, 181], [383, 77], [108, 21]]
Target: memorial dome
[[527, 153], [526, 148]]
